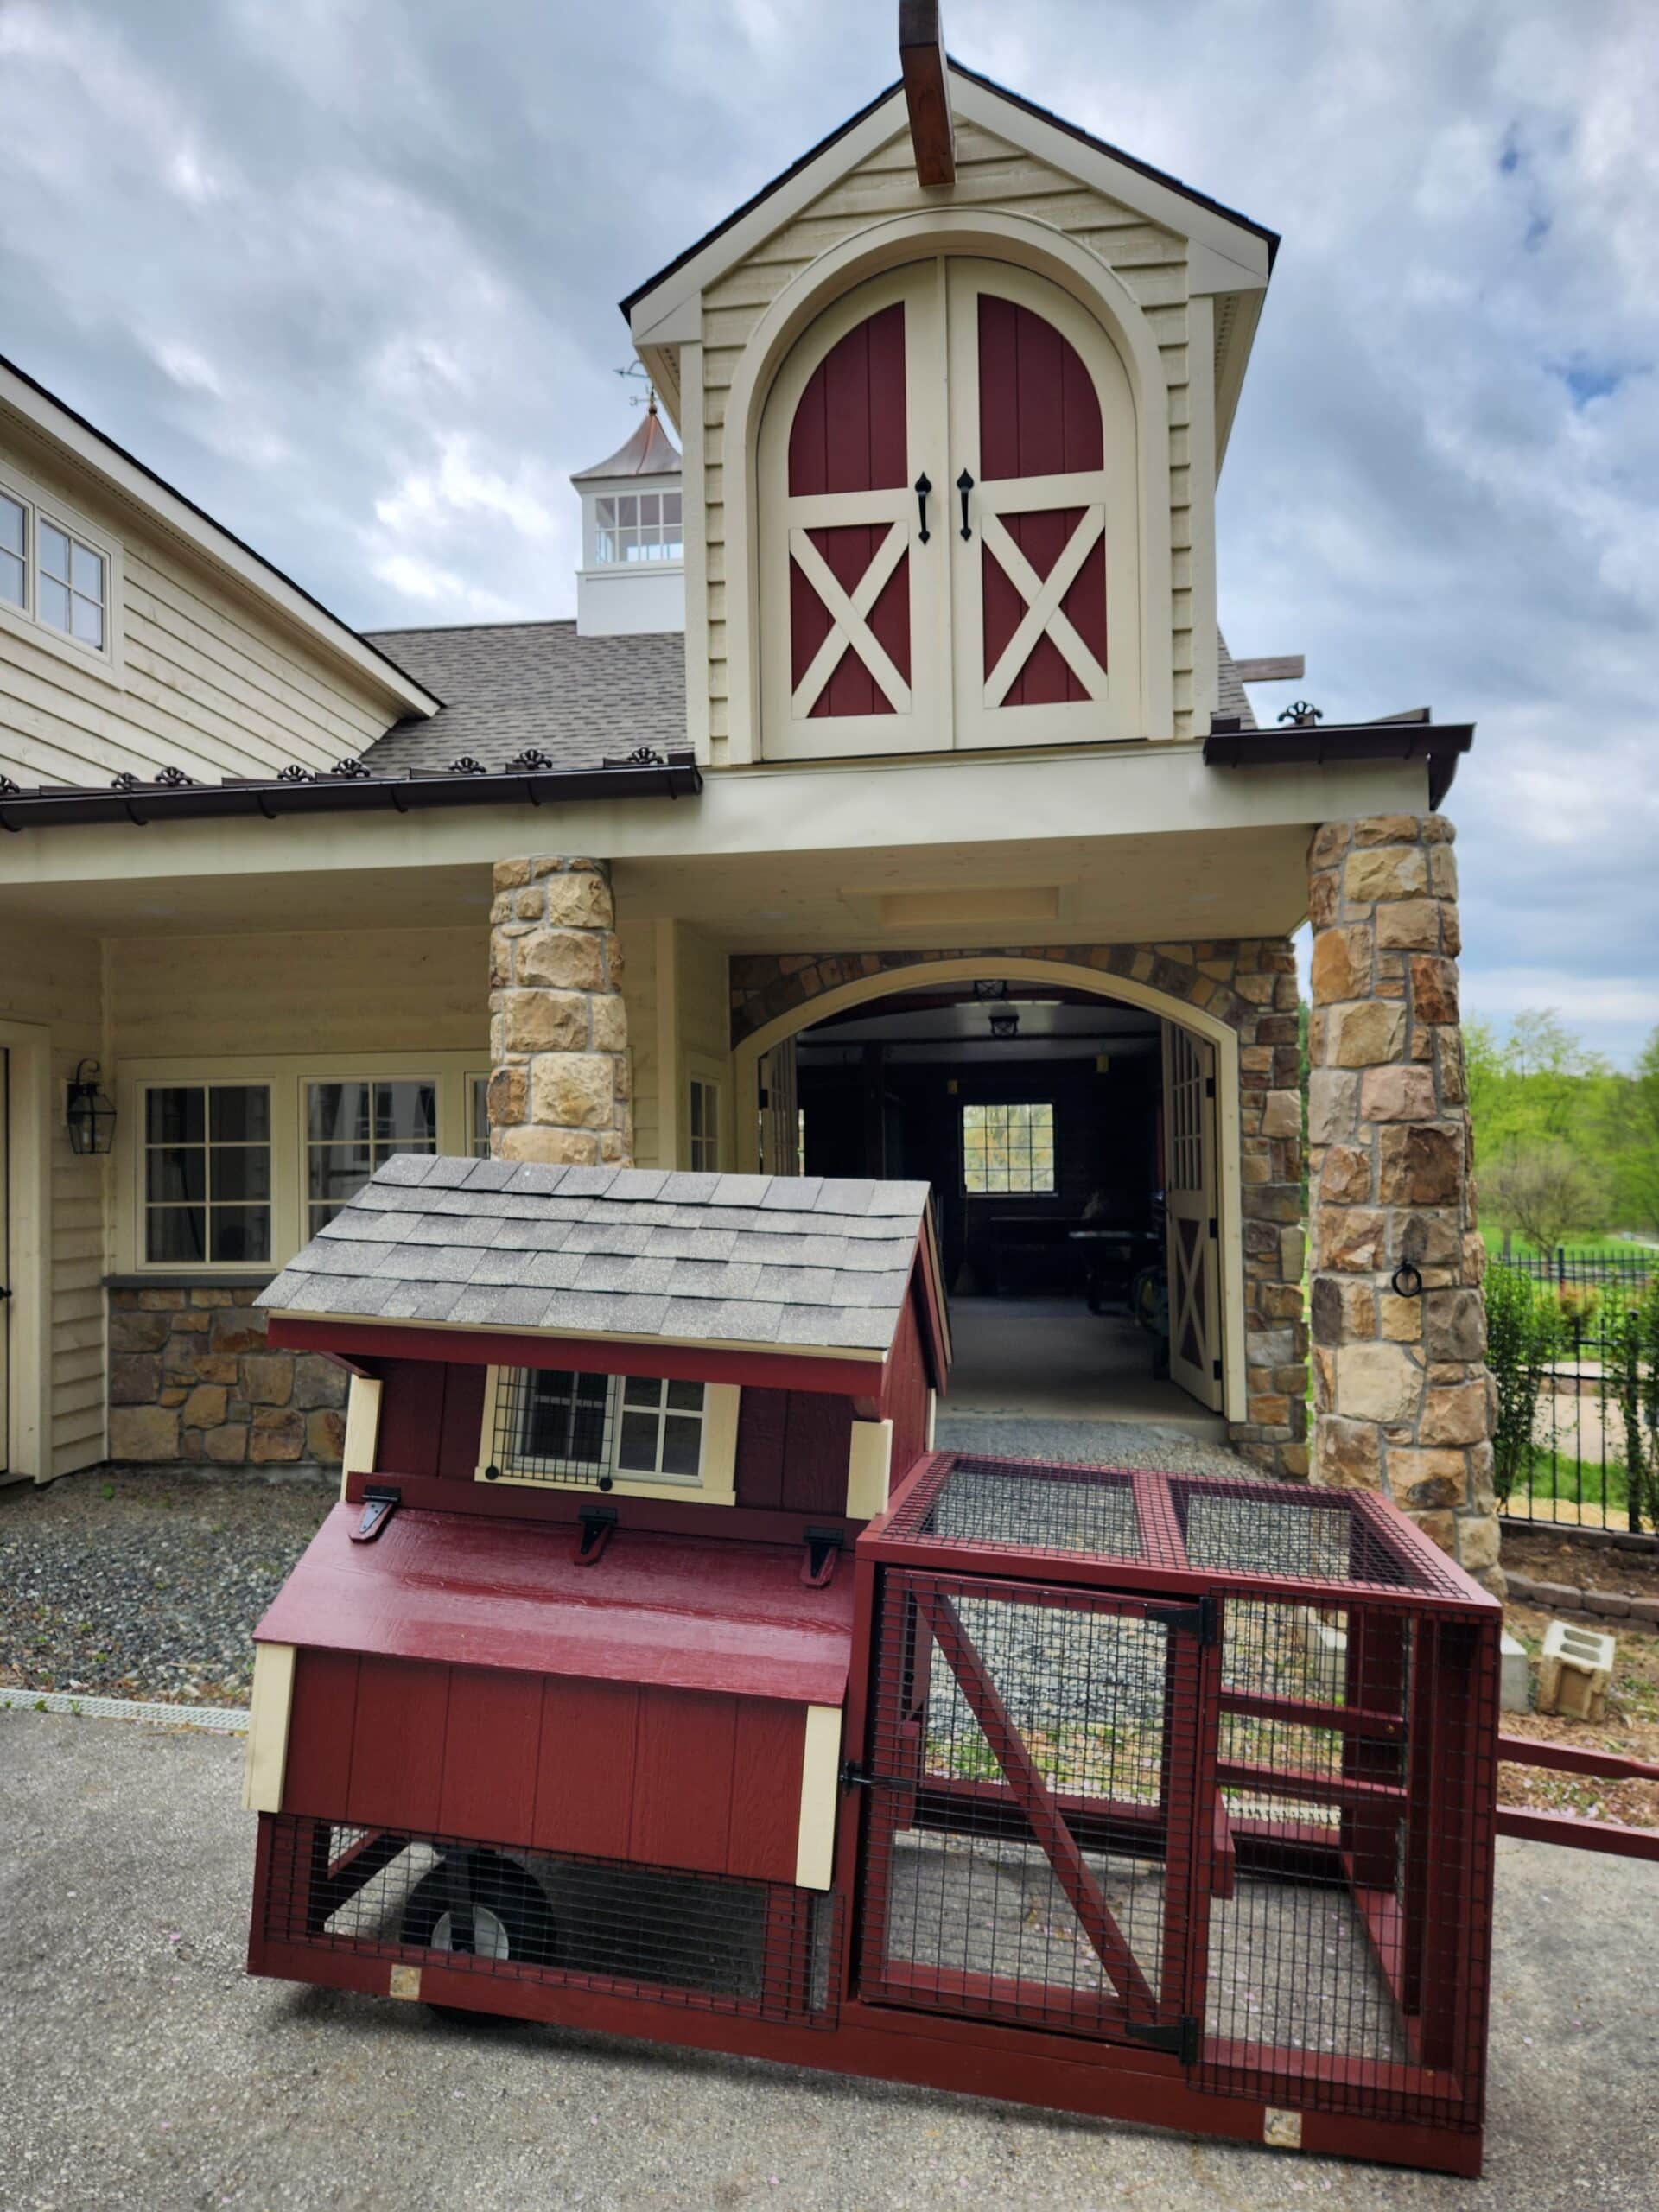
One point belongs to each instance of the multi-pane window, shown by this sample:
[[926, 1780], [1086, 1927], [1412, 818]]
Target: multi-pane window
[[557, 1425], [207, 1172], [478, 1115], [60, 579], [14, 550], [638, 527], [69, 588], [353, 1127], [704, 1119], [1007, 1148]]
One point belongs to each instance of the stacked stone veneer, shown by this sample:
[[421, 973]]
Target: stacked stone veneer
[[1250, 984], [1402, 1394], [191, 1378], [561, 1085]]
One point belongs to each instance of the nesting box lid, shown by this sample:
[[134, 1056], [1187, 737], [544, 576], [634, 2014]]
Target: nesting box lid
[[773, 1264]]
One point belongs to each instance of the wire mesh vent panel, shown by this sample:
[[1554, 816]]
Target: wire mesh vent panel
[[1013, 1505], [763, 1948], [1258, 1528], [1024, 1784], [552, 1425], [1348, 1905]]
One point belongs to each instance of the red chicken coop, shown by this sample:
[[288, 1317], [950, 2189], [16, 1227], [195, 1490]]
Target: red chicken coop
[[656, 1674]]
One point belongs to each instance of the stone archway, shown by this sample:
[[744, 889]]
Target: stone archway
[[1241, 995]]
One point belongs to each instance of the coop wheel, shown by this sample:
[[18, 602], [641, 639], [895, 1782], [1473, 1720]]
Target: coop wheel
[[507, 1917]]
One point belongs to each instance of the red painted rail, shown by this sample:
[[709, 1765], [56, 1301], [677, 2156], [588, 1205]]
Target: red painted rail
[[1576, 1831]]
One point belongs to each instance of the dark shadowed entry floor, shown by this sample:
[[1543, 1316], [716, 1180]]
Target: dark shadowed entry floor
[[1051, 1359]]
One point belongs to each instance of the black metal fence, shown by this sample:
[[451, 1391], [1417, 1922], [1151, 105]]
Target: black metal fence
[[1574, 1351]]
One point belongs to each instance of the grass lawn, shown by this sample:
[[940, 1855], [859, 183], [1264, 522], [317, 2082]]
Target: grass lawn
[[1596, 1246]]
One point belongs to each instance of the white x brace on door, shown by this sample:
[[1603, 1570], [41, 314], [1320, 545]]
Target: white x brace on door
[[1190, 1202]]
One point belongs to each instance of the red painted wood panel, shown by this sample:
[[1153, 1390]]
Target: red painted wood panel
[[398, 1744], [848, 430], [817, 1445], [491, 1743], [1039, 411], [460, 1434], [768, 1756], [584, 1772], [762, 1424], [412, 1416], [848, 551], [317, 1778], [682, 1779]]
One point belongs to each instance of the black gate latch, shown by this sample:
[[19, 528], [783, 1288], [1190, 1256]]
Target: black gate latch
[[380, 1502], [855, 1777], [1202, 1620]]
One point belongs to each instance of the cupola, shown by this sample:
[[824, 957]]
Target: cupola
[[633, 572]]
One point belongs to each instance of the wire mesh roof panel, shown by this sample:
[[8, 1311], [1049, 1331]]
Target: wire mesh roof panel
[[1019, 1505]]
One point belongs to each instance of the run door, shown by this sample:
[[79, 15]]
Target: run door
[[1030, 1837], [1191, 1204]]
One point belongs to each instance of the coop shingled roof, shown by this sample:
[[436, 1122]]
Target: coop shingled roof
[[803, 1261]]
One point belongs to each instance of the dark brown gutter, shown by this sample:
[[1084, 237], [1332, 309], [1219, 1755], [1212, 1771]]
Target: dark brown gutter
[[673, 775], [1300, 745]]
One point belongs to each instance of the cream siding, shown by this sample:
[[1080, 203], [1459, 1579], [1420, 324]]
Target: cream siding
[[676, 989], [52, 979], [198, 677], [640, 999], [1150, 261]]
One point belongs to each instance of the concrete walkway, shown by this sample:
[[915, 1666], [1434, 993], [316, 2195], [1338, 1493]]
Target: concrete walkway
[[142, 2069], [1051, 1359]]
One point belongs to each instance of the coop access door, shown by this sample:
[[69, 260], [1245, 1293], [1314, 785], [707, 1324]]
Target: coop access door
[[1030, 1840]]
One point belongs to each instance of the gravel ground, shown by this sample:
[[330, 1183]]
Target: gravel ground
[[1154, 1448], [143, 2070], [131, 1583]]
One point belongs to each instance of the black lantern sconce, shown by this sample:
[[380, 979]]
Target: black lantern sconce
[[91, 1115], [1005, 1024]]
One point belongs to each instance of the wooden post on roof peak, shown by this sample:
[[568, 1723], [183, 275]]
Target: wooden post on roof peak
[[927, 91]]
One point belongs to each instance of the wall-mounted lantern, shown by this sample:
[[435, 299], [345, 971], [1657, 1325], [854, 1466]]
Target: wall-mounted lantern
[[1005, 1024], [91, 1114]]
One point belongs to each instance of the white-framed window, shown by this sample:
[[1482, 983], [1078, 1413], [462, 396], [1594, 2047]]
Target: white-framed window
[[55, 574], [477, 1116], [330, 1120], [638, 526], [1009, 1148], [354, 1127], [206, 1178], [703, 1124], [639, 1435]]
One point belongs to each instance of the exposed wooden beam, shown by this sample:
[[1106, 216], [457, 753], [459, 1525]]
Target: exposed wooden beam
[[927, 91], [1284, 667]]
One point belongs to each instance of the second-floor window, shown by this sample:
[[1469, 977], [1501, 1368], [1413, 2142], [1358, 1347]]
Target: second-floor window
[[51, 573]]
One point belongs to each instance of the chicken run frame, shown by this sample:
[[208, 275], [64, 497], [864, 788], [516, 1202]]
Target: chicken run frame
[[1166, 1797]]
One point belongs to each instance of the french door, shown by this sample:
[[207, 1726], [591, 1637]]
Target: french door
[[1191, 1214], [949, 522]]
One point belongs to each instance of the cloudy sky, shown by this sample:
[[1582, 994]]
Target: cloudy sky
[[345, 272]]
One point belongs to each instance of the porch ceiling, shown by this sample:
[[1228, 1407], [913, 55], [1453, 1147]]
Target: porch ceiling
[[1082, 890]]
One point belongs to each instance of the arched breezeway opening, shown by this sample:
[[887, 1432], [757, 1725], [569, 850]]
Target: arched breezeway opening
[[1134, 1165]]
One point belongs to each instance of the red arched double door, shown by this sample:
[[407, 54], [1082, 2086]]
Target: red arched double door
[[949, 522]]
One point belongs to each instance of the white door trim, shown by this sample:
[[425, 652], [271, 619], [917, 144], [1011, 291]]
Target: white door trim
[[27, 1046]]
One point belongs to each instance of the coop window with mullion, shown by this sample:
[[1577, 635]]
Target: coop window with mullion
[[563, 1429]]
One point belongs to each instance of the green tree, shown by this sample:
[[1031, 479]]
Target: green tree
[[1632, 1132], [1544, 1189]]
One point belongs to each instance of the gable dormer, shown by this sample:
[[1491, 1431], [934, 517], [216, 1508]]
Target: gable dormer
[[1052, 344]]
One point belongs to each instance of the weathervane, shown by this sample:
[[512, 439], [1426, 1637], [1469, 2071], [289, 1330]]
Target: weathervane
[[637, 369]]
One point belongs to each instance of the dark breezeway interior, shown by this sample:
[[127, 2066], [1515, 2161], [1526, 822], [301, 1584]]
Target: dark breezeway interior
[[1035, 1113]]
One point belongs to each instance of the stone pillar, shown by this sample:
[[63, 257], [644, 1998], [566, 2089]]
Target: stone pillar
[[1401, 1396], [561, 1081]]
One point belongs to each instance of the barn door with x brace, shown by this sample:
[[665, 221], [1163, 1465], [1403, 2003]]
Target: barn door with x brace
[[1031, 1840], [1190, 1214]]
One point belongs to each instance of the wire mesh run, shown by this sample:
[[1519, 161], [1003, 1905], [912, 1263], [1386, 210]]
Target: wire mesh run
[[1246, 1529], [762, 1949], [1013, 1505]]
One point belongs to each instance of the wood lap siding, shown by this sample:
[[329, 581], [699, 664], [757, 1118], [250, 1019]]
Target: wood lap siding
[[906, 1402], [792, 1451], [1150, 261], [208, 685], [617, 1771]]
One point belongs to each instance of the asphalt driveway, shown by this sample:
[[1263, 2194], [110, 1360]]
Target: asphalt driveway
[[140, 2068]]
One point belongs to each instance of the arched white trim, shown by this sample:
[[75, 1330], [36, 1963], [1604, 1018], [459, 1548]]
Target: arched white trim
[[893, 983], [998, 236]]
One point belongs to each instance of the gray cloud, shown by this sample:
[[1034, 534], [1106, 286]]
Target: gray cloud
[[345, 272]]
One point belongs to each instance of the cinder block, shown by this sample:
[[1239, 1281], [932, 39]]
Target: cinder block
[[1515, 1677], [1574, 1671]]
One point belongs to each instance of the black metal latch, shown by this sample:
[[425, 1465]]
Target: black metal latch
[[824, 1547], [595, 1522], [1180, 2037], [855, 1777], [380, 1502], [1202, 1620]]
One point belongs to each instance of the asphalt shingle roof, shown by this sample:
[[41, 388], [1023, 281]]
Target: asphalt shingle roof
[[509, 685], [784, 1260]]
